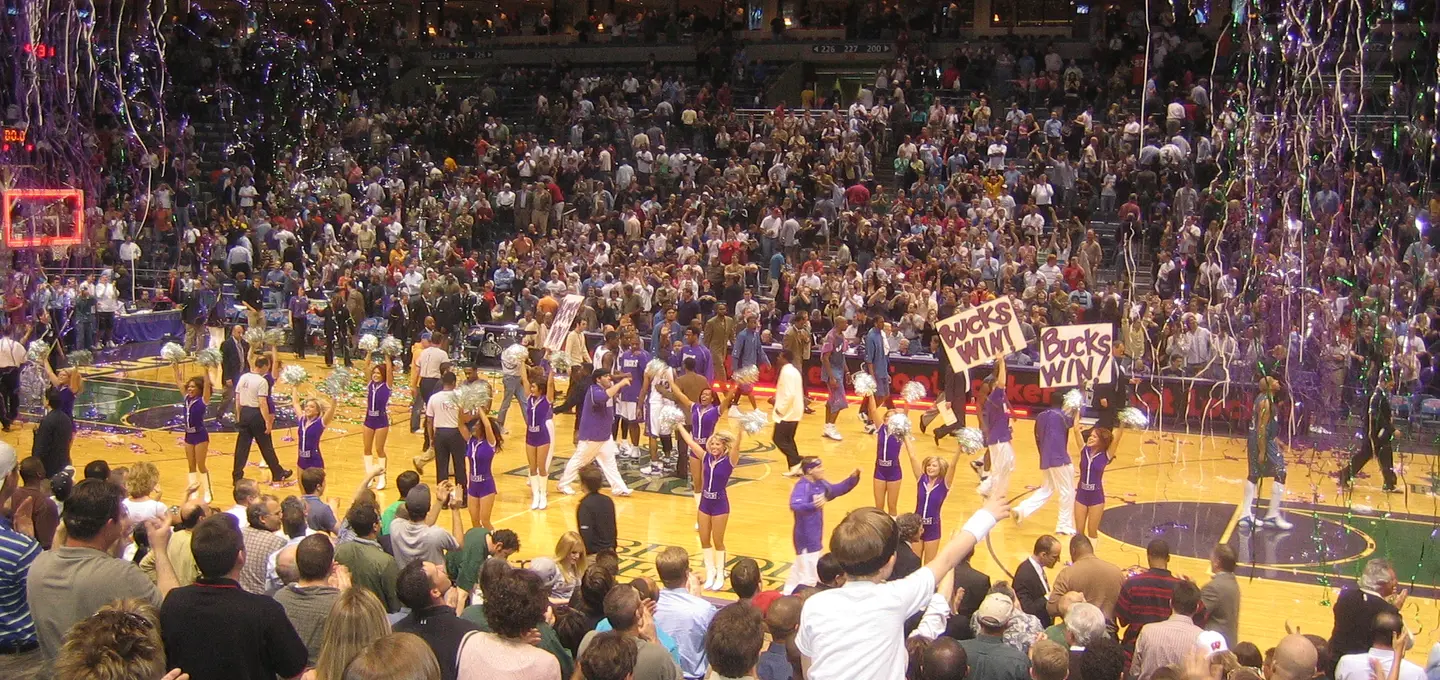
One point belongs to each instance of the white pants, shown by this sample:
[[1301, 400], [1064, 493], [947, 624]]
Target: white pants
[[804, 572], [602, 452], [1060, 478], [1002, 463]]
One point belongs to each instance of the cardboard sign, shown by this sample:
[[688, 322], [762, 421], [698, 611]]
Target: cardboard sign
[[564, 318], [980, 334], [1076, 355]]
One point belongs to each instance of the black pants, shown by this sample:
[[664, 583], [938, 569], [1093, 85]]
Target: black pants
[[785, 441], [449, 454], [9, 395], [251, 428], [337, 335], [428, 388], [1383, 453], [105, 324], [300, 331]]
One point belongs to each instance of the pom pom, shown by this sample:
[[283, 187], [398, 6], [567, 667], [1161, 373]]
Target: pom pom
[[209, 357], [668, 417], [972, 441], [913, 391], [1133, 418], [864, 384], [81, 357], [255, 336], [747, 375], [1074, 399], [398, 364], [472, 397], [655, 367], [560, 363], [391, 346], [513, 356], [275, 337], [336, 383], [293, 374], [898, 425], [368, 343], [753, 421], [172, 352]]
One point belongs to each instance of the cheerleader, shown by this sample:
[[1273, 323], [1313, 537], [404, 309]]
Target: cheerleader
[[376, 428], [67, 382], [480, 447], [314, 417], [196, 391], [935, 475], [539, 432], [716, 459], [887, 457], [1096, 452], [704, 415]]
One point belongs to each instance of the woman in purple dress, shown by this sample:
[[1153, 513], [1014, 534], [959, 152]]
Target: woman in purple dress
[[376, 428], [888, 472], [539, 430], [716, 459], [315, 415], [67, 382], [934, 476], [704, 416], [481, 444], [1096, 452], [197, 392]]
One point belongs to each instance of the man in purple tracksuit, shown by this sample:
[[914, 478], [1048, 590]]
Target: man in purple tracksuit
[[1052, 437], [597, 442], [704, 363], [808, 501]]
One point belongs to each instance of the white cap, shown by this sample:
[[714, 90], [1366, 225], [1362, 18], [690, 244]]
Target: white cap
[[1210, 642]]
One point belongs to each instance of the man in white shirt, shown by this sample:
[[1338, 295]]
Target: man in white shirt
[[428, 366], [442, 426], [789, 409], [12, 357], [1385, 629], [254, 422], [858, 629]]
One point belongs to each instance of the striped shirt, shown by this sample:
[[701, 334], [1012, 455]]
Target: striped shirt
[[1164, 643], [1144, 598], [17, 551]]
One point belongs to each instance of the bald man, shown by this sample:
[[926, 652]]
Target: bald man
[[285, 566], [944, 659], [182, 560], [1295, 659], [782, 619]]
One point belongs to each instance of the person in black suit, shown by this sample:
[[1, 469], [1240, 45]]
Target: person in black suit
[[1355, 609], [595, 515], [1032, 586], [234, 362], [972, 585]]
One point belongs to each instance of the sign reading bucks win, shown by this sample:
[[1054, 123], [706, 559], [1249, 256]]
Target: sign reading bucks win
[[1076, 355], [980, 334]]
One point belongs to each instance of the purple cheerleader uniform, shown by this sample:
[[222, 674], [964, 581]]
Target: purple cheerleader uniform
[[195, 432], [1090, 492], [270, 393], [887, 456], [308, 433], [929, 498], [480, 454], [539, 421], [66, 398], [377, 399], [714, 499], [702, 422]]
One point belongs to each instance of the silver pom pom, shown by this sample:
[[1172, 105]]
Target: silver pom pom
[[255, 336], [391, 346], [37, 351], [472, 397], [336, 383], [655, 367], [668, 417], [747, 375], [81, 357], [368, 343], [864, 384], [898, 425], [560, 363], [913, 392], [1074, 400], [398, 364], [514, 356], [972, 441], [753, 421], [275, 337], [294, 374], [1133, 418], [172, 352], [209, 357]]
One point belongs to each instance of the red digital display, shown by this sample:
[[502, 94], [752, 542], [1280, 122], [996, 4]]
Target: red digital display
[[40, 50], [12, 135], [42, 213]]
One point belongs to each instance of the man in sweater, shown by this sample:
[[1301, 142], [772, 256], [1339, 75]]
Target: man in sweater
[[307, 602]]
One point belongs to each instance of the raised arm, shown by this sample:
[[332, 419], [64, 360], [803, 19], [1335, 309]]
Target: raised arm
[[916, 466], [696, 451], [327, 409], [950, 469]]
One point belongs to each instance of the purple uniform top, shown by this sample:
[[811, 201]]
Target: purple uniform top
[[1052, 429], [1092, 471], [809, 519], [66, 398], [633, 364], [599, 416], [997, 419], [194, 415], [308, 432], [702, 360], [479, 454], [702, 421], [377, 399], [929, 498], [887, 455]]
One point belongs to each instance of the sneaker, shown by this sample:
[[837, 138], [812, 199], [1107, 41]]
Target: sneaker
[[419, 463], [567, 490], [978, 465], [1018, 516], [832, 432], [1390, 489], [652, 470], [1278, 522], [1246, 522], [984, 488], [870, 429], [624, 492]]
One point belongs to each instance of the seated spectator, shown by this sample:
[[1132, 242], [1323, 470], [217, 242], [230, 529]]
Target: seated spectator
[[1385, 630], [308, 601], [426, 590], [733, 641], [44, 514], [369, 565], [609, 656], [262, 521], [629, 616], [782, 618], [490, 574], [681, 612], [415, 538], [989, 657]]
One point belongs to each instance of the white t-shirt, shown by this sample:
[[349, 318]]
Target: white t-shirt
[[431, 360], [249, 390], [142, 510], [442, 410], [858, 630]]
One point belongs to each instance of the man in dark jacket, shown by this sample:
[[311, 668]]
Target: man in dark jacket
[[596, 514]]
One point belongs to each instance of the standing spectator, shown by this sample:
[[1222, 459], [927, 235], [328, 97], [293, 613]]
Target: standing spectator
[[12, 357], [54, 434], [595, 514], [789, 409], [681, 612], [18, 550], [1221, 596], [1355, 609], [259, 642], [1386, 628], [1097, 579], [1145, 597], [428, 592], [1171, 641], [1032, 587], [308, 601], [43, 514]]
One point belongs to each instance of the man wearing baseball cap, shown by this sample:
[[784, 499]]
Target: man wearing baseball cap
[[990, 658]]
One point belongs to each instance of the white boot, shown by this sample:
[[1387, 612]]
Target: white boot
[[205, 485], [719, 584], [369, 463], [1273, 518], [540, 483], [380, 479], [191, 479], [1247, 512], [709, 568]]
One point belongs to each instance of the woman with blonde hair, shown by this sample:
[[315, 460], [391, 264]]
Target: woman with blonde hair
[[356, 620], [119, 642], [397, 656], [570, 558], [933, 478]]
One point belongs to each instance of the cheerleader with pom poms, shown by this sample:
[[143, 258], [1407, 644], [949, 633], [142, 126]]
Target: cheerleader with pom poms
[[539, 413], [196, 391]]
